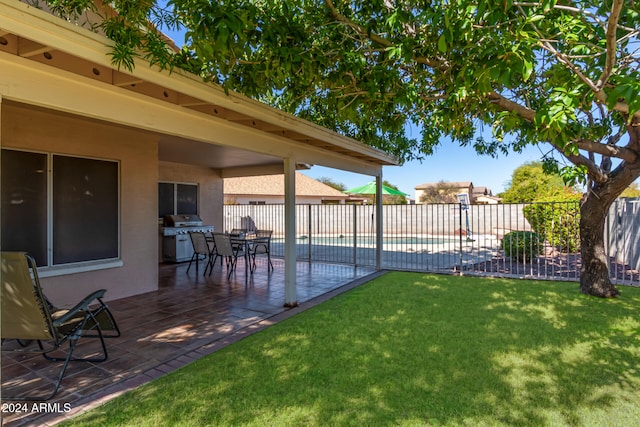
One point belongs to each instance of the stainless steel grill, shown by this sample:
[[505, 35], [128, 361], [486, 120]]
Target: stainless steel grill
[[176, 243]]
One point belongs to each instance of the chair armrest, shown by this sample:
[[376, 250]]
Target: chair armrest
[[82, 305]]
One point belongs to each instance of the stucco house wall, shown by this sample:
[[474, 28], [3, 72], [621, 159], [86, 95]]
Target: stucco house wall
[[137, 153], [209, 188]]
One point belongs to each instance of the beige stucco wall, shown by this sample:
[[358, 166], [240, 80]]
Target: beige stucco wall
[[42, 130], [277, 200], [209, 187]]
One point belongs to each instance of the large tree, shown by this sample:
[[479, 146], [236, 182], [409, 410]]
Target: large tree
[[563, 74]]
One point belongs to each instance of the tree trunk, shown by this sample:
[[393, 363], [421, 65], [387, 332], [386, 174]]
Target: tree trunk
[[594, 272]]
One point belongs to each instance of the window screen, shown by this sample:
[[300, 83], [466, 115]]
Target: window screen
[[174, 198], [187, 199], [24, 203], [166, 199], [85, 209]]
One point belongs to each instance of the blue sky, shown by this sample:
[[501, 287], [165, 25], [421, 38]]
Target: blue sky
[[450, 163]]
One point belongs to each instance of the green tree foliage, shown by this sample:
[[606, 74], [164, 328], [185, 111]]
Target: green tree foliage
[[632, 191], [557, 219], [522, 246], [565, 75], [530, 183]]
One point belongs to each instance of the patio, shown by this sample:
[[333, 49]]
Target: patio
[[189, 317]]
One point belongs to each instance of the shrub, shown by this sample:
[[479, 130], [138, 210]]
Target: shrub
[[557, 220], [522, 246]]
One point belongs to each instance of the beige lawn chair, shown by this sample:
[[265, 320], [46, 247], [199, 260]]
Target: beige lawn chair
[[33, 322]]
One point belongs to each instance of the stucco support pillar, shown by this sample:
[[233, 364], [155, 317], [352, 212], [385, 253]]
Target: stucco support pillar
[[379, 221], [290, 291]]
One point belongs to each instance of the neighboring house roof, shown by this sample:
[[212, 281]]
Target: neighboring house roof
[[482, 191], [273, 185], [444, 184]]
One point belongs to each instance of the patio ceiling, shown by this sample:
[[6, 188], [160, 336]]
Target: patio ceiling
[[270, 135]]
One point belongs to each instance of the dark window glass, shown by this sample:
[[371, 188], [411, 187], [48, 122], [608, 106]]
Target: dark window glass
[[85, 209], [24, 203], [166, 200], [187, 199]]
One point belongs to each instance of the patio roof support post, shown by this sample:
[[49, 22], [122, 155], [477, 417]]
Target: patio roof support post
[[379, 230], [290, 253], [0, 119]]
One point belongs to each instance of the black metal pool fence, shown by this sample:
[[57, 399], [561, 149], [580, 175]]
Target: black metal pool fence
[[537, 240]]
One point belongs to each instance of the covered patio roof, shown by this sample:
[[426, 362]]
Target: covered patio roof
[[200, 124], [50, 63]]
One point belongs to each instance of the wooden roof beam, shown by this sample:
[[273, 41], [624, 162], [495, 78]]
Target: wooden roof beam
[[28, 48]]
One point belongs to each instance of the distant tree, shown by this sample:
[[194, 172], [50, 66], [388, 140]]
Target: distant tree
[[530, 183], [333, 184], [632, 191], [442, 192], [393, 200]]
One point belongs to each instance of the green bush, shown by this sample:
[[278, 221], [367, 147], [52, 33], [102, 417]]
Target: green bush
[[557, 220], [522, 246]]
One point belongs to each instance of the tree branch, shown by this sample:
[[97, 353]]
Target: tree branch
[[505, 104], [375, 38], [546, 45], [608, 150], [611, 43], [593, 169]]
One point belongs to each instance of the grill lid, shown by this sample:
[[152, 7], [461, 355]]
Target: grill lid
[[182, 220]]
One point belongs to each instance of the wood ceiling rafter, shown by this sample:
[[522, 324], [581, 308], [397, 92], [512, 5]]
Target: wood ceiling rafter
[[9, 42], [28, 48], [121, 79], [190, 101]]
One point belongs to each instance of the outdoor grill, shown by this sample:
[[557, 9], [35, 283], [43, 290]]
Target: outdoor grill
[[176, 243]]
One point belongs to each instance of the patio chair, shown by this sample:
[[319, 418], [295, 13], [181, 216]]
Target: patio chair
[[214, 251], [228, 250], [261, 245], [200, 247], [27, 316]]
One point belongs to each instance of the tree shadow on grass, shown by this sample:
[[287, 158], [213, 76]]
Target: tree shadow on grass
[[415, 349]]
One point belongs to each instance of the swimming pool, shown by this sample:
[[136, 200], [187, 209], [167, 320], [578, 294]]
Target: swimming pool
[[347, 240]]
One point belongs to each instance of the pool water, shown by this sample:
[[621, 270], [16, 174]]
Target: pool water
[[370, 240]]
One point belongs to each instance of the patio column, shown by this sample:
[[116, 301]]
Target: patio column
[[378, 222], [290, 253]]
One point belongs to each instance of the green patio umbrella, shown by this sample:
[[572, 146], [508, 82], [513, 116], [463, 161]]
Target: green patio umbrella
[[370, 188]]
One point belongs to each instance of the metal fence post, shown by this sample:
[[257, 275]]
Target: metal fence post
[[309, 230], [355, 236], [460, 228]]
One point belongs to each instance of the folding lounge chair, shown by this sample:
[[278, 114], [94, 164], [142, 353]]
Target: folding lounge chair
[[28, 316]]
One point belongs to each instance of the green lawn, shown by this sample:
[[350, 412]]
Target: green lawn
[[415, 349]]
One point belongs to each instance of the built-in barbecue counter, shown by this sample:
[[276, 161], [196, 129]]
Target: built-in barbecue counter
[[176, 243]]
